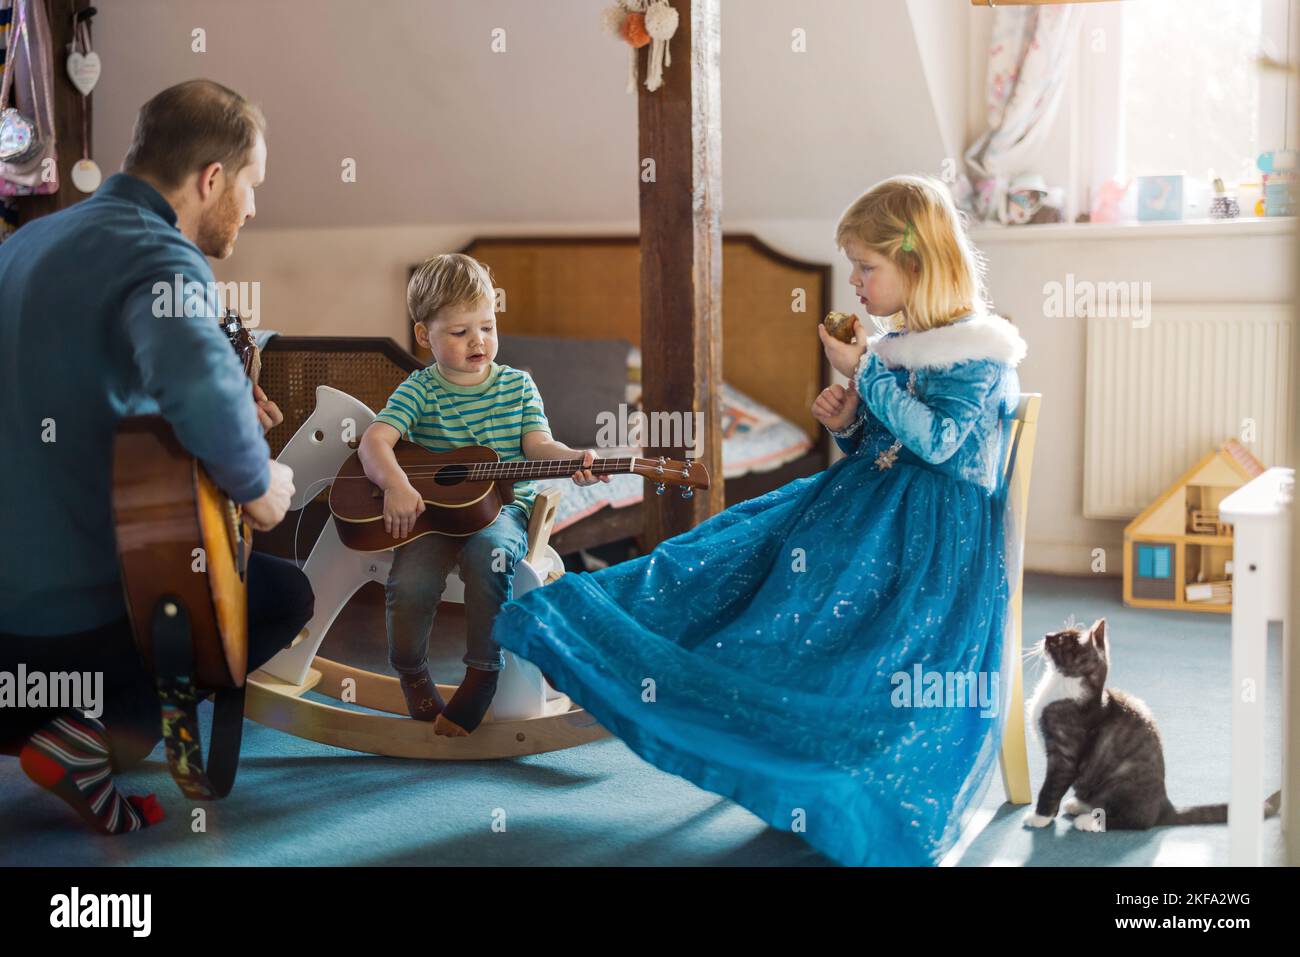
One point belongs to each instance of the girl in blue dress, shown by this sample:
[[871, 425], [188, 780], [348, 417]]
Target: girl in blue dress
[[828, 654]]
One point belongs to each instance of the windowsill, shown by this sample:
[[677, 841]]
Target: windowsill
[[1185, 228]]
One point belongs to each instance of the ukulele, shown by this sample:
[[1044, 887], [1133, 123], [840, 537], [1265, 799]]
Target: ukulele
[[465, 489], [183, 550]]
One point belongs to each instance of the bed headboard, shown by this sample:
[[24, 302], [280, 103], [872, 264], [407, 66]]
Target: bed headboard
[[588, 287]]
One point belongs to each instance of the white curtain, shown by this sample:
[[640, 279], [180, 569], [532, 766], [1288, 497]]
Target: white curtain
[[1029, 60]]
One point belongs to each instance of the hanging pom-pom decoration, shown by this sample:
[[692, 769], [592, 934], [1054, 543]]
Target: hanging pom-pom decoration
[[634, 31], [613, 18], [627, 20], [661, 24], [634, 34]]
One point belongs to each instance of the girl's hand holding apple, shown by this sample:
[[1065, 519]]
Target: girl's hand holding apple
[[844, 356]]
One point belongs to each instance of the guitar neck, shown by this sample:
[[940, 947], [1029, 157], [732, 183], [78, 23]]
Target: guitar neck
[[424, 467], [541, 469]]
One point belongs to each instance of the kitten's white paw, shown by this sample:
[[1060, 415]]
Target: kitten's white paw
[[1075, 806], [1086, 822], [1034, 819]]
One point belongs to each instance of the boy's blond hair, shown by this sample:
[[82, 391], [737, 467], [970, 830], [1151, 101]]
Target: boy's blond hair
[[918, 211], [452, 279]]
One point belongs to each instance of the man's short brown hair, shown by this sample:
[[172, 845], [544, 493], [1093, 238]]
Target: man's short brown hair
[[188, 126]]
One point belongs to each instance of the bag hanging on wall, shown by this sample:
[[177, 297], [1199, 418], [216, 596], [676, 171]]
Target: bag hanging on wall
[[28, 161]]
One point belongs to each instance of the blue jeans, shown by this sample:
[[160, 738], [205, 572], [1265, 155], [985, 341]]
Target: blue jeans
[[419, 576]]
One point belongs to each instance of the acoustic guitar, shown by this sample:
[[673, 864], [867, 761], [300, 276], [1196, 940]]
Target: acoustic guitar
[[183, 550], [465, 489]]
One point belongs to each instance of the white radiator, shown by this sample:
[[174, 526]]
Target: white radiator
[[1159, 398]]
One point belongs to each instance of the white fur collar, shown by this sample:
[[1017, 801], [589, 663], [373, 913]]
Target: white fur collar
[[979, 337]]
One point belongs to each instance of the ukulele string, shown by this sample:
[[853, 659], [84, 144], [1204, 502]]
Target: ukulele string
[[549, 468], [476, 472], [559, 468]]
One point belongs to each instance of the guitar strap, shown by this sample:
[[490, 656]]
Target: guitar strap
[[173, 655]]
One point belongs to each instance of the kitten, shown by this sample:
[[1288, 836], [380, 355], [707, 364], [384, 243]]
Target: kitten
[[1103, 742]]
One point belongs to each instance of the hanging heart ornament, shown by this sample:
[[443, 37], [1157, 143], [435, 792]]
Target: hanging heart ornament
[[83, 70]]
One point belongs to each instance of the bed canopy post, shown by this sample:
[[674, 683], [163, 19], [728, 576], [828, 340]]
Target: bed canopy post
[[679, 128]]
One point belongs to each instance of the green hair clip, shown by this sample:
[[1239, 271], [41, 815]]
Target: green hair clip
[[908, 245]]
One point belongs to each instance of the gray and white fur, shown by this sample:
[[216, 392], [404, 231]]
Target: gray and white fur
[[1102, 742]]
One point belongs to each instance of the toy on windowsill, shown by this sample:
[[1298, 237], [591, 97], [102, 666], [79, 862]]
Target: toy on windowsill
[[1177, 552], [1109, 195], [1160, 198], [1280, 178], [1028, 201], [1223, 206]]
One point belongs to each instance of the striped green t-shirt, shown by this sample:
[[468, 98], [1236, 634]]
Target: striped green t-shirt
[[441, 415]]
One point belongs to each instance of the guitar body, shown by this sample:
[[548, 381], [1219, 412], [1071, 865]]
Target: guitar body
[[164, 507], [454, 504]]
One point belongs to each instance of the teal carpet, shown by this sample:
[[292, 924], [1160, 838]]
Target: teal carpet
[[297, 802]]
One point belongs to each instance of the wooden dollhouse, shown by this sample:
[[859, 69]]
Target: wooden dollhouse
[[1177, 552]]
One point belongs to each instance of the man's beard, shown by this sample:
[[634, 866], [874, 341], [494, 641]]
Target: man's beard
[[219, 227]]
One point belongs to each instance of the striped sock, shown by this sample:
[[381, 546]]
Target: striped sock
[[69, 757]]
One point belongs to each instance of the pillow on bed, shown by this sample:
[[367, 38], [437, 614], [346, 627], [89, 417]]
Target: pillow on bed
[[578, 379], [740, 413]]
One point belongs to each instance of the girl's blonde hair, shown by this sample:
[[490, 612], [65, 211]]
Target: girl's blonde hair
[[943, 272], [452, 279]]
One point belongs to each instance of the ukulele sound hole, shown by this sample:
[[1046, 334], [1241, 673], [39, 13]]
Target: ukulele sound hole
[[451, 475]]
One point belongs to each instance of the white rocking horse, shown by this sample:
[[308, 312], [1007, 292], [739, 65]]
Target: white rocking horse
[[527, 715]]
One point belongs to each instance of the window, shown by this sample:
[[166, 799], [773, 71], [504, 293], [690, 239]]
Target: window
[[1191, 87], [1175, 86]]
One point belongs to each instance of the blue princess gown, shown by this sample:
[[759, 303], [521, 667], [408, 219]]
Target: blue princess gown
[[772, 653]]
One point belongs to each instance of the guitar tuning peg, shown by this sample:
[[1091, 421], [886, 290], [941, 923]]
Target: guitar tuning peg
[[688, 492], [659, 488]]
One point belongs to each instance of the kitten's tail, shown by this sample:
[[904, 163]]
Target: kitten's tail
[[1213, 813]]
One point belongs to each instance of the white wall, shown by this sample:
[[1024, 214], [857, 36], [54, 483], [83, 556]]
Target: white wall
[[446, 131]]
